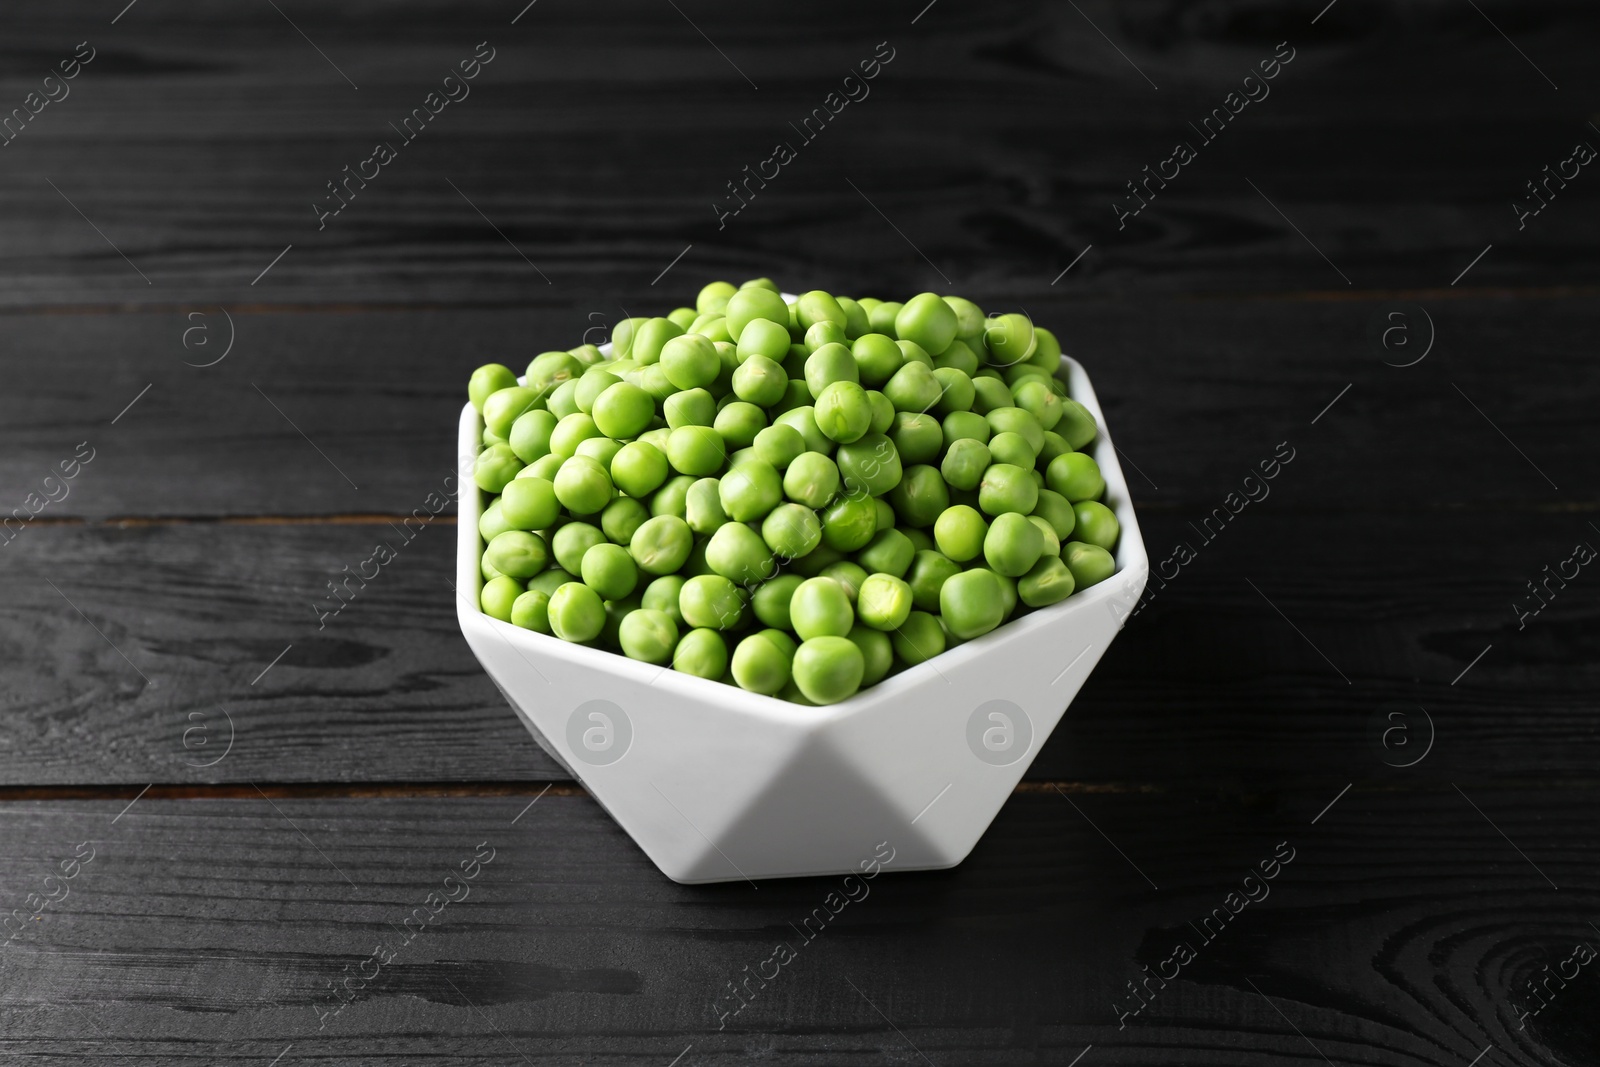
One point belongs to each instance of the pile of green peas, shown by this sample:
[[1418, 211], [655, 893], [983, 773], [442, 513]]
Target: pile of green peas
[[801, 498]]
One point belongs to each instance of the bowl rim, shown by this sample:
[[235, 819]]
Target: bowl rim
[[1131, 559]]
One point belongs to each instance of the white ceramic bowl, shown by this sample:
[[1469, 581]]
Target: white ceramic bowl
[[717, 784]]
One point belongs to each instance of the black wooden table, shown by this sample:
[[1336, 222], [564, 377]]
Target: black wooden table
[[1378, 681]]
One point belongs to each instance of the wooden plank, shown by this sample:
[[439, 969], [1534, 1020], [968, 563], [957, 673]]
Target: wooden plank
[[1234, 673], [601, 141], [319, 414], [1401, 929]]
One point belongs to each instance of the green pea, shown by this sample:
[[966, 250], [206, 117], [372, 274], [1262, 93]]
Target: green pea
[[1019, 421], [572, 541], [602, 449], [1049, 582], [650, 337], [622, 336], [827, 365], [795, 395], [710, 601], [957, 391], [1009, 339], [881, 316], [489, 438], [887, 519], [1039, 400], [763, 337], [818, 306], [959, 356], [812, 479], [1054, 445], [911, 352], [657, 438], [648, 634], [843, 412], [528, 504], [495, 467], [1089, 564], [583, 486], [683, 316], [610, 571], [660, 546], [917, 438], [713, 297], [1096, 524], [702, 653], [772, 599], [849, 576], [855, 317], [594, 381], [921, 540], [970, 319], [702, 508], [919, 639], [488, 379], [804, 419], [794, 365], [504, 406], [1013, 545], [822, 333], [750, 490], [960, 533], [500, 596], [929, 571], [760, 665], [551, 580], [570, 432], [780, 445], [1075, 476], [965, 462], [927, 320], [759, 283], [1012, 448], [531, 611], [576, 612], [1052, 540], [638, 469], [921, 496], [1057, 511], [518, 553], [622, 410], [877, 654], [673, 496], [622, 518], [1077, 426], [870, 465], [760, 381], [739, 422], [662, 595], [877, 358], [753, 302], [889, 552], [849, 523], [493, 520], [652, 378], [739, 554], [791, 530], [828, 669], [913, 388], [1007, 487], [530, 434], [692, 407], [990, 393], [820, 607], [883, 602], [972, 603], [697, 450], [1046, 350]]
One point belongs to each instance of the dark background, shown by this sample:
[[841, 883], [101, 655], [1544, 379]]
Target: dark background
[[299, 790]]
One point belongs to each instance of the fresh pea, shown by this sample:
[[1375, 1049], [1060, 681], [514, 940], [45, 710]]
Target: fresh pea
[[914, 388], [960, 532], [772, 599], [877, 653], [710, 601], [763, 337], [921, 496], [755, 302], [911, 352], [855, 317], [583, 486], [502, 407], [927, 320], [1089, 564], [622, 518], [881, 316], [877, 358], [529, 504], [820, 607], [1077, 426], [576, 612], [487, 379], [821, 333], [739, 422], [957, 391], [495, 467], [662, 595], [1096, 524], [738, 553], [648, 634], [570, 432], [1049, 582], [1013, 545], [828, 669], [594, 381], [1013, 448], [791, 530], [1009, 339], [929, 571], [697, 450], [849, 576], [917, 438], [883, 602], [500, 596], [964, 463], [971, 603], [572, 541], [702, 653], [969, 317], [919, 638], [609, 570], [760, 380], [702, 508], [829, 364], [691, 407], [651, 337], [780, 445], [551, 580], [638, 469], [1054, 445], [531, 611], [517, 553], [870, 465], [989, 393], [1039, 400], [959, 356], [673, 496], [849, 523], [804, 419], [889, 552], [660, 546], [1076, 476], [1006, 487], [530, 434], [817, 306], [761, 665], [843, 412], [601, 449], [812, 479], [1046, 350], [493, 520]]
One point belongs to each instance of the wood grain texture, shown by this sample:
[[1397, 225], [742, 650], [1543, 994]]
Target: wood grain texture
[[601, 139], [1402, 930], [340, 413], [1208, 683]]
